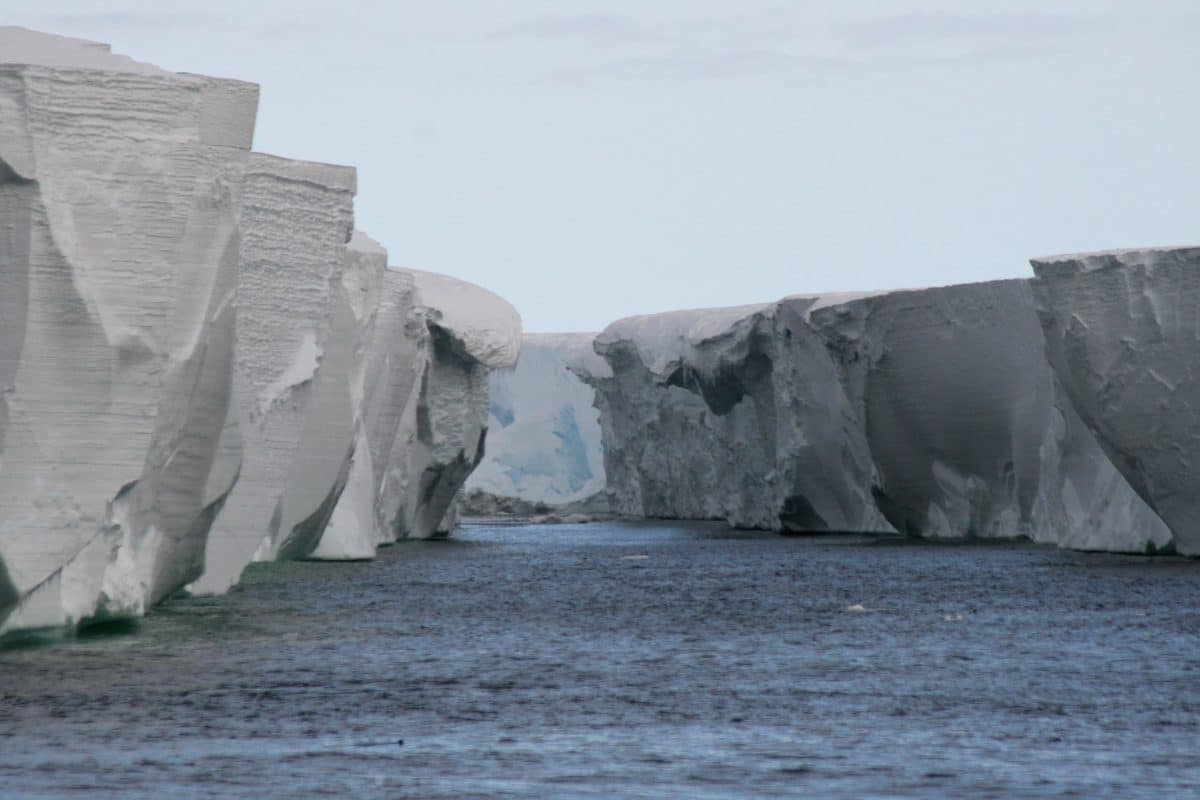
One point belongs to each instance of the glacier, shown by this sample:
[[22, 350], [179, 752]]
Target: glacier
[[1121, 330], [464, 332], [543, 442]]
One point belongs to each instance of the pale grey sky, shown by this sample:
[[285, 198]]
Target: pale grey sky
[[592, 159]]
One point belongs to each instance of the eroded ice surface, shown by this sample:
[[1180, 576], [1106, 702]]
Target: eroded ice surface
[[291, 371], [732, 414], [119, 192], [462, 332], [350, 532], [197, 360], [931, 412]]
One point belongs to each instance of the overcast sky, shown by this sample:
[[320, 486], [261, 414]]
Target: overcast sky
[[592, 159]]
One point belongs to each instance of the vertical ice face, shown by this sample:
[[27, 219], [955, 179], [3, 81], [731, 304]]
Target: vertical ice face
[[351, 532], [461, 333], [543, 440], [734, 414], [1122, 331], [665, 454], [395, 360], [826, 474], [969, 432], [932, 412], [954, 398], [293, 365], [426, 362], [119, 192]]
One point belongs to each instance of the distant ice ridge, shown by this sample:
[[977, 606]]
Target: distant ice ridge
[[930, 412], [199, 360], [1122, 330], [543, 443]]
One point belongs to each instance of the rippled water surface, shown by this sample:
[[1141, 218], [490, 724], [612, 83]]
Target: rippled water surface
[[647, 660]]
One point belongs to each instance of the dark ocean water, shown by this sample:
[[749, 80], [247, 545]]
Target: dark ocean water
[[621, 660]]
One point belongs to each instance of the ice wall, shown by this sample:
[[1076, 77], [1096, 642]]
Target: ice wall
[[543, 440], [969, 431], [292, 366], [734, 414], [931, 412], [119, 192], [351, 532], [1122, 331], [199, 363]]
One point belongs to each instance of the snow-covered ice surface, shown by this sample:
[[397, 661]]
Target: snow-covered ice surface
[[1122, 332], [543, 440], [119, 192], [930, 412]]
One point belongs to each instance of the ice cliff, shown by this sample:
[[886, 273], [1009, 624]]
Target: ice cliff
[[461, 333], [120, 189], [291, 369], [543, 443], [1122, 332], [930, 412], [200, 362]]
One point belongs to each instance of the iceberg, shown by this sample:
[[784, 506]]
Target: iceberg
[[351, 532], [735, 414]]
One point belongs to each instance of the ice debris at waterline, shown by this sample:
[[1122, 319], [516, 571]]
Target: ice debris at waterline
[[930, 412], [198, 355], [1123, 335]]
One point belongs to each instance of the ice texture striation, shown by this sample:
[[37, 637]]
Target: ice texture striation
[[120, 186], [929, 412], [543, 442], [1122, 332], [200, 363], [290, 370]]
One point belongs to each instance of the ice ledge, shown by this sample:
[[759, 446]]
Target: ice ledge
[[1068, 263], [485, 325], [23, 46]]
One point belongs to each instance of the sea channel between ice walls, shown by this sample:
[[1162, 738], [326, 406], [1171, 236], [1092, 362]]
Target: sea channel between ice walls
[[204, 364]]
